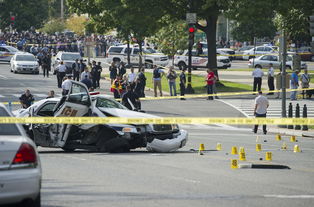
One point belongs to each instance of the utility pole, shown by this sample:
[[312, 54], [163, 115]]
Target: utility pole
[[191, 20], [62, 9], [283, 44]]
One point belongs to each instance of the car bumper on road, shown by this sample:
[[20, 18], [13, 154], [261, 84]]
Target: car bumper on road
[[168, 145], [20, 184], [27, 70]]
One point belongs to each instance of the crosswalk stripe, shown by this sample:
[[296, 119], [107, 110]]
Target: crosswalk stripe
[[274, 110]]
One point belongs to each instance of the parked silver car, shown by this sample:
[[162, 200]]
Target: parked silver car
[[24, 62], [265, 60], [20, 169]]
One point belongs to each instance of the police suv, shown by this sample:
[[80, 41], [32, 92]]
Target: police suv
[[150, 56], [199, 61]]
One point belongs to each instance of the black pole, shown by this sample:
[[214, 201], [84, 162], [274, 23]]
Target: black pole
[[305, 128], [297, 115], [128, 49], [290, 113], [189, 89]]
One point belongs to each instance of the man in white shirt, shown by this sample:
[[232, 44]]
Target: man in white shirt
[[131, 77], [260, 110], [257, 75], [60, 69], [271, 75], [66, 85]]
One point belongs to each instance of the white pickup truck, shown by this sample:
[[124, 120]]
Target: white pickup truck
[[150, 56], [199, 61]]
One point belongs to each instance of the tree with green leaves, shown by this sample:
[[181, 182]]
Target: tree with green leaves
[[53, 26], [30, 13], [171, 37], [138, 18]]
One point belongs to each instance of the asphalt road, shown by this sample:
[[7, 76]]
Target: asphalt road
[[183, 178]]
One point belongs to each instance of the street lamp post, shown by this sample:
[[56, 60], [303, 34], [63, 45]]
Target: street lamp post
[[62, 9]]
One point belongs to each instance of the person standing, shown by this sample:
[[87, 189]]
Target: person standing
[[260, 109], [66, 85], [94, 73], [210, 80], [182, 83], [131, 78], [84, 73], [76, 70], [294, 84], [305, 83], [257, 75], [113, 72], [172, 76], [271, 75], [122, 69], [142, 82], [98, 74], [87, 82], [45, 65], [82, 66], [61, 68], [26, 99], [157, 75]]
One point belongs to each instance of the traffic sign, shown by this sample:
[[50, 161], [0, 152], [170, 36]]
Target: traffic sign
[[191, 18]]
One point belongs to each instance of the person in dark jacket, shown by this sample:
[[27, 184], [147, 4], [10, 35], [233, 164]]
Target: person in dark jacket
[[87, 82], [131, 99], [26, 99]]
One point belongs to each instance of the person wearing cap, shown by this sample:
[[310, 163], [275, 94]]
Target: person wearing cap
[[66, 84]]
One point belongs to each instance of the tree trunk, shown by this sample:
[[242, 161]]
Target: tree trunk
[[210, 31], [140, 64]]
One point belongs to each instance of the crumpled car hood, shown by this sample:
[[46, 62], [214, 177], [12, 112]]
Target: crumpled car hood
[[125, 113]]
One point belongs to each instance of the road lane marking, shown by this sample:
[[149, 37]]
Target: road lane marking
[[290, 196], [3, 77]]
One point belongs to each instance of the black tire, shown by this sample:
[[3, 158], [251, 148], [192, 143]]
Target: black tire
[[250, 57], [32, 203], [15, 71], [37, 73], [117, 145], [182, 65], [149, 64], [116, 60], [258, 66], [288, 67]]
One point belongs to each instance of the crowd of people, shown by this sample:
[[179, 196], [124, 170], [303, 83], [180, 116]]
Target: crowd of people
[[293, 81], [37, 42]]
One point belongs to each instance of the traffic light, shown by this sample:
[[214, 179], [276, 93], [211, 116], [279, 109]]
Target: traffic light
[[12, 19], [311, 20], [191, 35]]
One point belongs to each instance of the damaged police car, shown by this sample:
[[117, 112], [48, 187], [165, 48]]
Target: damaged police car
[[99, 137]]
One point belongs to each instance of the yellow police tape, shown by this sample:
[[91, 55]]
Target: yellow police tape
[[198, 95], [161, 120]]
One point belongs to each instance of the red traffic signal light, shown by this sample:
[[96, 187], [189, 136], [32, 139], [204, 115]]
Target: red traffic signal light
[[191, 29], [12, 18]]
